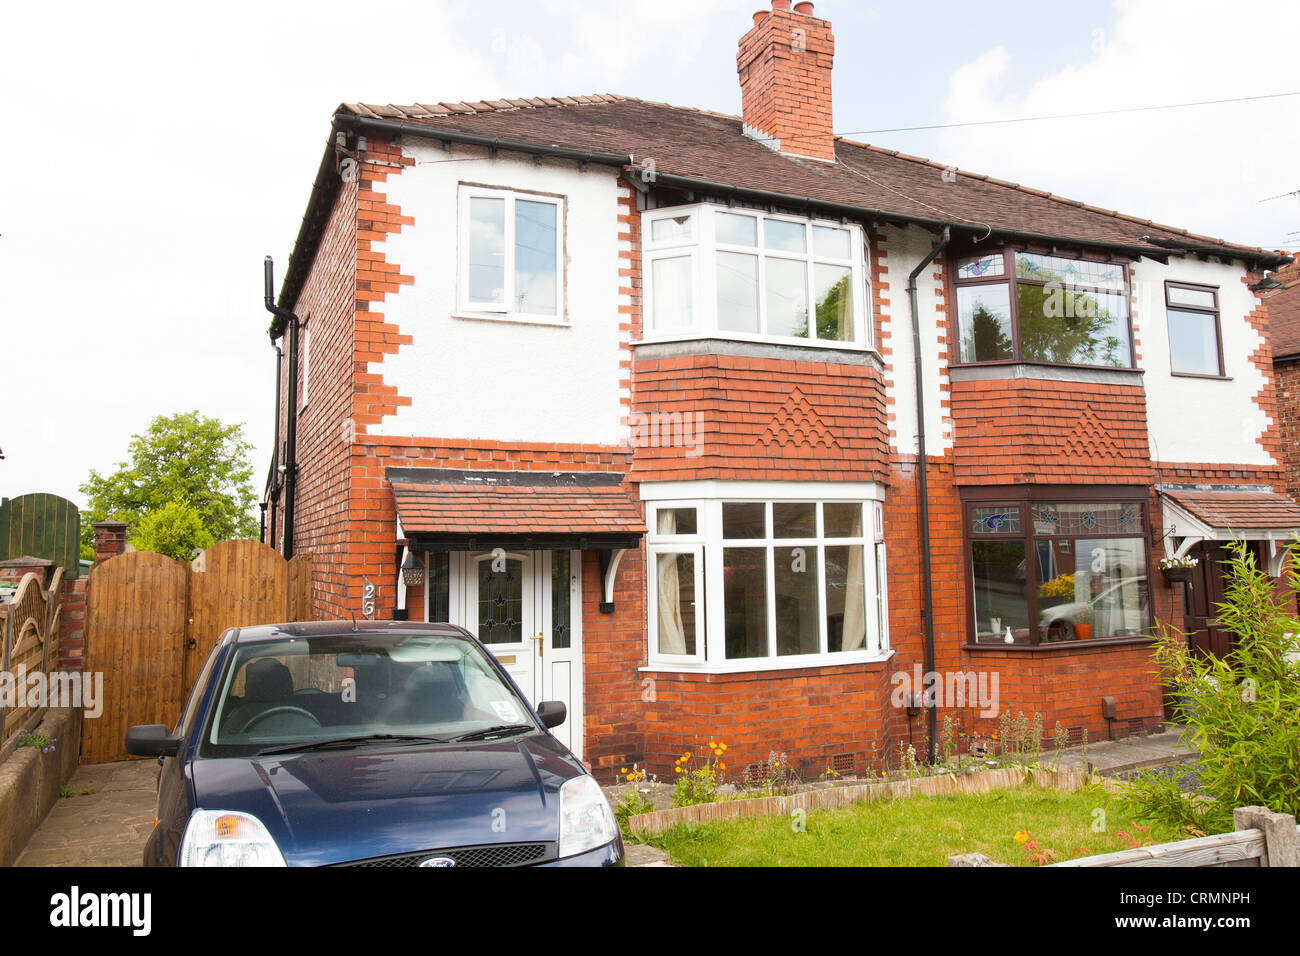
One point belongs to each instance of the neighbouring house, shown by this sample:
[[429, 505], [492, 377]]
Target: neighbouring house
[[637, 393], [1284, 327]]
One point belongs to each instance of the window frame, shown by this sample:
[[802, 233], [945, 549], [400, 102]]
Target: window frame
[[468, 307], [708, 544], [1200, 310], [1010, 279], [702, 246], [1026, 497]]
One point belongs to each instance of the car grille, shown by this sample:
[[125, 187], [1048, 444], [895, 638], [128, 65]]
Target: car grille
[[492, 854]]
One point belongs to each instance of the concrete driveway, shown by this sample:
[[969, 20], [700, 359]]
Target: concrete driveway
[[104, 827]]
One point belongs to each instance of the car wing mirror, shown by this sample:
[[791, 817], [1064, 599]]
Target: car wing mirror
[[152, 740], [551, 713]]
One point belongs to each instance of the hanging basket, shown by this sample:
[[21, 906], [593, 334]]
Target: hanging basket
[[1174, 575]]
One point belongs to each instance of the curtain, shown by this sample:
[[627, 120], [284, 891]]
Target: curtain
[[855, 621], [672, 632]]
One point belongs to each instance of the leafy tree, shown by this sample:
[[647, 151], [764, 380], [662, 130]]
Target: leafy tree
[[1242, 711], [175, 529], [985, 339], [188, 484]]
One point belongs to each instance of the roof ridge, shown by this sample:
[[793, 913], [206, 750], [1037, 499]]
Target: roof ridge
[[466, 107], [1045, 194]]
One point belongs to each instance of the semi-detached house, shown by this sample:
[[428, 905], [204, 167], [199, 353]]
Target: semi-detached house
[[637, 394]]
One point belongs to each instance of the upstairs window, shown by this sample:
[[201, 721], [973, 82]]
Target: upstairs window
[[1193, 314], [510, 254], [739, 273], [1019, 306]]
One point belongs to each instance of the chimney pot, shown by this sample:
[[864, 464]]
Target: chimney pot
[[759, 15], [805, 8], [780, 4]]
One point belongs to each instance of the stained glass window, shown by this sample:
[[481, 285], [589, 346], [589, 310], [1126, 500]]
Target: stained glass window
[[1000, 519], [561, 621], [981, 267]]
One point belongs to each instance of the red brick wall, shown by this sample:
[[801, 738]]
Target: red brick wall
[[325, 426], [1262, 358], [785, 81], [763, 419], [1287, 379], [1026, 431], [72, 625]]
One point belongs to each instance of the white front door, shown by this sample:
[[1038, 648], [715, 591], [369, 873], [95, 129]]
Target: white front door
[[525, 606]]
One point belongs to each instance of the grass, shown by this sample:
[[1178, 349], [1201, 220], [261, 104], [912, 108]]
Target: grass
[[918, 831]]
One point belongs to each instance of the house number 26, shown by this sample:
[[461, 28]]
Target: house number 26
[[368, 591]]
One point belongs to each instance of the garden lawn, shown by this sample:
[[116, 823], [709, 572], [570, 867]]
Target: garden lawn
[[919, 831]]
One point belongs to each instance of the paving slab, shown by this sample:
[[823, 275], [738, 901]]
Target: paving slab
[[104, 823], [1110, 757]]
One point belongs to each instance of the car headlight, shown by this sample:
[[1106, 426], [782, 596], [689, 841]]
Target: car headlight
[[586, 821], [228, 838]]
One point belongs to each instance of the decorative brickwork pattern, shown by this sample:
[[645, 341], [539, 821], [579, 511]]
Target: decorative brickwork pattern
[[797, 429], [741, 419], [1035, 431]]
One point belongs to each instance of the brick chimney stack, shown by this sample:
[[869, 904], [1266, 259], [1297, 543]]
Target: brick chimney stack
[[785, 80]]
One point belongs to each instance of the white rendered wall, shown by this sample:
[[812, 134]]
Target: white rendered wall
[[903, 249], [493, 379], [1200, 419]]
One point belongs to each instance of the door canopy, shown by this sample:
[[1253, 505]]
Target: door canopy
[[1192, 516]]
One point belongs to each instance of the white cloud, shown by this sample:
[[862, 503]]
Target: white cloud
[[1202, 168]]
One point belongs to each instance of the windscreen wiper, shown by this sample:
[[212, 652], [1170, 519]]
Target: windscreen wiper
[[502, 730], [345, 742]]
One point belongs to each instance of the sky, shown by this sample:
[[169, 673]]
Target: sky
[[155, 153]]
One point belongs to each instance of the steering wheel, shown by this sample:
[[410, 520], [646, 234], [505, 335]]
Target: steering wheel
[[285, 709]]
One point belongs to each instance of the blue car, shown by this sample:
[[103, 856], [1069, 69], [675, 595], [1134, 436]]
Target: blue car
[[385, 744]]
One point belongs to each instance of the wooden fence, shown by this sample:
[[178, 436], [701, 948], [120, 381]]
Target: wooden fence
[[30, 625], [151, 621], [42, 526], [1261, 838]]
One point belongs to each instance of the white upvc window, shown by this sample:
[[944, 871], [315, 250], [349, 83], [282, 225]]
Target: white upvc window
[[715, 271], [511, 255], [765, 577]]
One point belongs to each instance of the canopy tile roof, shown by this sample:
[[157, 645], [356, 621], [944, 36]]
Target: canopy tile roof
[[1240, 510], [514, 503]]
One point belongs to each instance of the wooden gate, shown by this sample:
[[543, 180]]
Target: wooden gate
[[150, 622]]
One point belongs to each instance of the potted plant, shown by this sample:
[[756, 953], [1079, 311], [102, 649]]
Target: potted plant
[[1178, 569]]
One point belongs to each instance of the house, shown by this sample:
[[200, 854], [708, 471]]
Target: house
[[1284, 326], [638, 393]]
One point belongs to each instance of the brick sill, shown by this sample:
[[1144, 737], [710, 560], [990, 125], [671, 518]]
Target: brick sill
[[1055, 646]]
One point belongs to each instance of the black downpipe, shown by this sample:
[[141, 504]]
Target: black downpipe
[[291, 426], [273, 481], [922, 490]]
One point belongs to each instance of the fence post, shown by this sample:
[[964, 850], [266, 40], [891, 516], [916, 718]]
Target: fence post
[[1280, 845]]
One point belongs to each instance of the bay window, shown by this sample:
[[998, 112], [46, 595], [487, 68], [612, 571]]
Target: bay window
[[747, 583], [714, 271], [1018, 306], [1048, 566]]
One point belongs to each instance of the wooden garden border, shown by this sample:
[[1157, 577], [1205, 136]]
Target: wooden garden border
[[658, 821]]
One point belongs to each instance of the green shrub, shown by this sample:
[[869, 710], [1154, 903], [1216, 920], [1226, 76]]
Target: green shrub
[[1242, 712]]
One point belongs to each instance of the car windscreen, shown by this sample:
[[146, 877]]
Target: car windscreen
[[301, 691]]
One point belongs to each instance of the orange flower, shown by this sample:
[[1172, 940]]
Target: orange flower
[[1022, 836]]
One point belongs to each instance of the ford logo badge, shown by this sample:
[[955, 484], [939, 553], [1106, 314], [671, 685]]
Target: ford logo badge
[[438, 861]]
